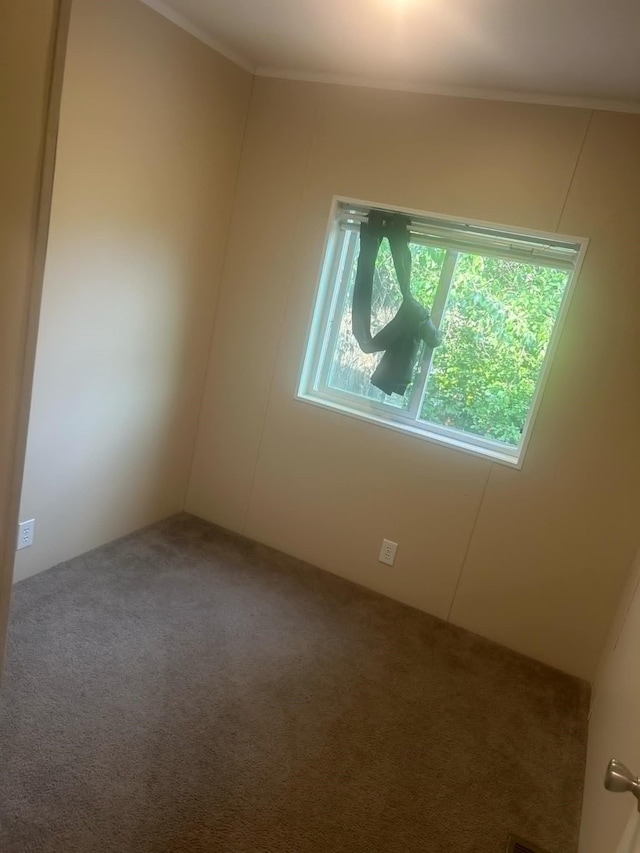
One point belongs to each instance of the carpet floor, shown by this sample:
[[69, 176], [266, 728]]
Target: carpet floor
[[183, 690]]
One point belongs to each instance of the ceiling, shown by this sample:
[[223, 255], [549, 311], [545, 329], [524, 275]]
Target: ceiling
[[565, 51]]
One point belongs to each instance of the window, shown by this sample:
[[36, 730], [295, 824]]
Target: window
[[496, 294]]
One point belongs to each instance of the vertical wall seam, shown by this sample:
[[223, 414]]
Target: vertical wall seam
[[215, 313], [484, 490], [575, 169], [307, 164], [469, 542]]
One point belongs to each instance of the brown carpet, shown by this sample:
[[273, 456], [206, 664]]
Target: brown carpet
[[184, 690]]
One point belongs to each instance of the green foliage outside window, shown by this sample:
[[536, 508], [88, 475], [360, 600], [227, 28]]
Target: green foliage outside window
[[496, 328]]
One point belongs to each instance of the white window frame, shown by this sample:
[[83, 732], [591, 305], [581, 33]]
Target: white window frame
[[341, 252]]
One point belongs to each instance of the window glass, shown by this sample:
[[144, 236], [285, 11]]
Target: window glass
[[496, 295], [496, 329], [351, 369]]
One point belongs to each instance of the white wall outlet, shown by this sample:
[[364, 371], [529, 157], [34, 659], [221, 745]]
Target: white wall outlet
[[388, 552], [26, 530]]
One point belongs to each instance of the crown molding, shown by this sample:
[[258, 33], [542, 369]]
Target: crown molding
[[197, 32], [164, 9], [452, 91]]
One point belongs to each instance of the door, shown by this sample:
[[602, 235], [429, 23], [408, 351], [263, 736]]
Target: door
[[611, 822], [32, 35]]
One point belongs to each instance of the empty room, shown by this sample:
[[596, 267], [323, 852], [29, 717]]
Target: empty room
[[319, 501]]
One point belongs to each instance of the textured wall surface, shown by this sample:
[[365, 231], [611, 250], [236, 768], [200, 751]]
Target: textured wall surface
[[151, 130], [533, 558]]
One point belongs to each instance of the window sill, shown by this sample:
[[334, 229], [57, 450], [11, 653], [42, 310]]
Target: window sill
[[444, 438]]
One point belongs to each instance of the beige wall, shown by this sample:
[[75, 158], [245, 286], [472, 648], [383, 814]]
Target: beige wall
[[613, 727], [28, 110], [533, 558], [152, 126], [151, 130]]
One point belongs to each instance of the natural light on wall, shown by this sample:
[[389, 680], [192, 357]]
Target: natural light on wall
[[498, 296]]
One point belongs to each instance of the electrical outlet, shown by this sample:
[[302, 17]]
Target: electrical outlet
[[26, 530], [388, 552]]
